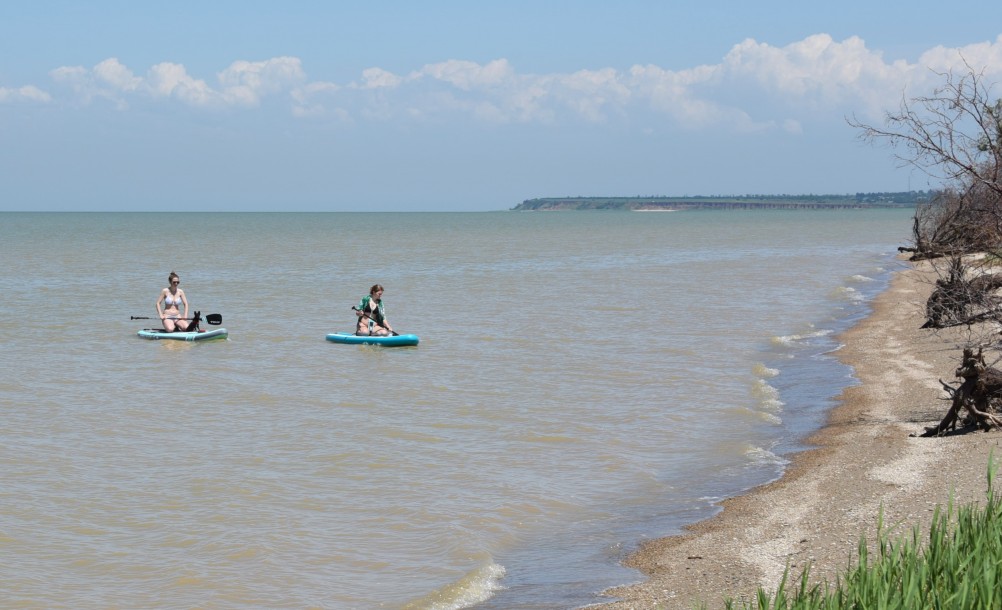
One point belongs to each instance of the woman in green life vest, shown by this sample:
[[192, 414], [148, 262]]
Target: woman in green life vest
[[372, 320]]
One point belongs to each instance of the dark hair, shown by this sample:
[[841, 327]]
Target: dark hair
[[375, 288], [172, 277]]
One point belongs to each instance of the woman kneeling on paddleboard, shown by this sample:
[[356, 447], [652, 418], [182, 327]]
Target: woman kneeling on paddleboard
[[371, 316], [168, 305]]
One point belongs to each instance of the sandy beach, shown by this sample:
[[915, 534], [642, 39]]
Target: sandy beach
[[864, 460]]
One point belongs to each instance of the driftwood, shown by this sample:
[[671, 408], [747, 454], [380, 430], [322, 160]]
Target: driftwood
[[980, 394], [957, 300], [926, 254]]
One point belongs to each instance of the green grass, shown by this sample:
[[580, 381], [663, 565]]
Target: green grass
[[959, 566]]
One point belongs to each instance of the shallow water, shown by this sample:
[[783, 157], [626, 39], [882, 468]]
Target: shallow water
[[584, 380]]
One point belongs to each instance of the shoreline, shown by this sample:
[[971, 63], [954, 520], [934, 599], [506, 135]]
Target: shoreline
[[861, 462]]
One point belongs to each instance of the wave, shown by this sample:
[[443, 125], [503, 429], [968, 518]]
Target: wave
[[474, 588], [761, 456], [794, 339], [762, 370], [768, 396], [848, 293]]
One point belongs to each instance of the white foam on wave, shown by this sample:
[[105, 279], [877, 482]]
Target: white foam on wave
[[761, 455], [475, 588], [861, 278], [751, 413], [797, 338], [770, 418], [848, 293], [762, 370], [767, 395]]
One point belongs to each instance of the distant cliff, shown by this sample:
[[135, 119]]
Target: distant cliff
[[657, 203]]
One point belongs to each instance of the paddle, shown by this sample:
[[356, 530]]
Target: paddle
[[214, 319], [393, 332]]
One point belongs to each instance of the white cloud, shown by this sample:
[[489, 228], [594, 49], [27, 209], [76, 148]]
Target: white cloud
[[116, 76], [819, 73], [691, 98], [755, 87], [27, 93], [109, 80], [987, 54], [308, 101], [243, 83], [246, 82], [105, 81], [468, 75], [377, 78], [172, 80], [589, 93]]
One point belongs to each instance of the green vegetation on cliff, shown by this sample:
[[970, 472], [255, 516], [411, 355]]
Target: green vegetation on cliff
[[653, 203]]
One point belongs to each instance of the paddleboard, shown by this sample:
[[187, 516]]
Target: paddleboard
[[391, 341], [205, 335]]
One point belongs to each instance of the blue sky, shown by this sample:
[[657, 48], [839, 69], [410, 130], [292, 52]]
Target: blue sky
[[439, 106]]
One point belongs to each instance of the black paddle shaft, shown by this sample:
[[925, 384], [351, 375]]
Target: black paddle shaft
[[214, 319]]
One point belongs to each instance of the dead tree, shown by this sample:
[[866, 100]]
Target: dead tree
[[980, 394], [954, 135], [954, 225], [959, 300]]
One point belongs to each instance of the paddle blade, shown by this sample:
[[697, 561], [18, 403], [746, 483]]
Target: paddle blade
[[214, 318]]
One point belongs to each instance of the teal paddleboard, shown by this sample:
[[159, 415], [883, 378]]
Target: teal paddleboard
[[205, 335], [391, 341]]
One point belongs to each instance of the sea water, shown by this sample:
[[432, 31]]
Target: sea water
[[584, 381]]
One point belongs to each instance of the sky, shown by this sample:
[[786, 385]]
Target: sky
[[461, 105]]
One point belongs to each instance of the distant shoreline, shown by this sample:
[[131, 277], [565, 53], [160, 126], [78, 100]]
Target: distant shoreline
[[904, 199]]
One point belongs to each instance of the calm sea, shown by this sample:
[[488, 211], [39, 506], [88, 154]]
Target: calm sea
[[585, 380]]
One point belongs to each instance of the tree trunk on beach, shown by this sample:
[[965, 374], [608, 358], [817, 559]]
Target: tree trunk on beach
[[980, 394], [958, 300]]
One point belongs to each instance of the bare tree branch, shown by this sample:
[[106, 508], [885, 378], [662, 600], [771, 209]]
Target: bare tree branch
[[955, 136]]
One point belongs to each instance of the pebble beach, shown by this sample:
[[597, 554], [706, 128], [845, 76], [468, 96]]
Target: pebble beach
[[867, 461]]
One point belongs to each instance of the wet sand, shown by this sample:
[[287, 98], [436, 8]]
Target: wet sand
[[864, 460]]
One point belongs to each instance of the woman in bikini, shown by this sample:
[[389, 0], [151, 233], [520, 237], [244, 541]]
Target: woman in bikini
[[168, 303], [371, 316]]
